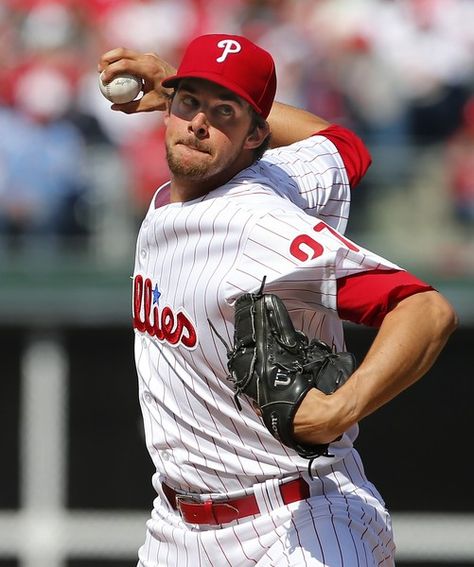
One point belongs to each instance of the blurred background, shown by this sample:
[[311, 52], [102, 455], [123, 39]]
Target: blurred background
[[75, 179]]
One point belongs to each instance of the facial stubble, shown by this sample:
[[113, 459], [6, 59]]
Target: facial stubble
[[199, 169]]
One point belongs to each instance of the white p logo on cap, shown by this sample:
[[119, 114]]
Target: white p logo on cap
[[229, 46]]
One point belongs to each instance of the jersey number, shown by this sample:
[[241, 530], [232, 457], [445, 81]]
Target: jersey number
[[300, 244]]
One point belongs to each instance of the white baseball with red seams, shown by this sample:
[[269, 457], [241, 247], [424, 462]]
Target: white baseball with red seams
[[121, 89], [193, 259]]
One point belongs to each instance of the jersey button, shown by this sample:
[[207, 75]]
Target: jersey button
[[143, 253], [148, 397]]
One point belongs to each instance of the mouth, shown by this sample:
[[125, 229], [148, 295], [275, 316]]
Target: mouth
[[194, 147]]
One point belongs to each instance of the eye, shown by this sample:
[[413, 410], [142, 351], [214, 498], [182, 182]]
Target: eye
[[225, 110], [188, 100]]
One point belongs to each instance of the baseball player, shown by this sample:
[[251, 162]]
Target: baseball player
[[228, 492]]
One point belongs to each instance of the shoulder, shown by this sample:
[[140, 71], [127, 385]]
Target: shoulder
[[309, 148], [254, 192], [329, 150], [315, 158]]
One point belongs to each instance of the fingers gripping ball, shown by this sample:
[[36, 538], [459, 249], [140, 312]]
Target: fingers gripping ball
[[121, 89]]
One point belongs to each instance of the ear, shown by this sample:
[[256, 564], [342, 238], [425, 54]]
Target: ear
[[257, 136]]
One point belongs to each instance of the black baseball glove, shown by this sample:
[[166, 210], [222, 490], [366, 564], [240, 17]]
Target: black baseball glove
[[275, 366]]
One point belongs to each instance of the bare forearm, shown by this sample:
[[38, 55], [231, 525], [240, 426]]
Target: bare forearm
[[289, 124], [408, 342], [406, 346]]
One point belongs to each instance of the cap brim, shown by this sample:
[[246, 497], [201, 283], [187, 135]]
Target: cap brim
[[172, 82]]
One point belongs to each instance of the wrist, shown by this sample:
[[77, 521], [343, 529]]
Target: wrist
[[318, 418]]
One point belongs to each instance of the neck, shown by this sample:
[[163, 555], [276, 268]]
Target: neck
[[182, 189]]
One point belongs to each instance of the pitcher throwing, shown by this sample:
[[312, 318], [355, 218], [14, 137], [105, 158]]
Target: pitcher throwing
[[235, 214]]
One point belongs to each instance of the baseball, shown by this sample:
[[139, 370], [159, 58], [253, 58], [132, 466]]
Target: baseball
[[121, 89]]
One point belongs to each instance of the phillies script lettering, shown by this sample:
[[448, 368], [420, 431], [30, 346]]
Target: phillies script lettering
[[163, 324]]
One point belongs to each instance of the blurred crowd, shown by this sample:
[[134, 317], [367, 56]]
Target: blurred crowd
[[399, 72]]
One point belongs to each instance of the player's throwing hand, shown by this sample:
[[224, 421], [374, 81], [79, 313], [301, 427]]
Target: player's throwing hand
[[149, 66]]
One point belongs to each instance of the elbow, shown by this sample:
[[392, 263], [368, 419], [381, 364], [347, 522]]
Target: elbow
[[452, 319], [445, 317], [433, 312]]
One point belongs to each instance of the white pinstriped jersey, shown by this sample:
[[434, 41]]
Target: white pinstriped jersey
[[309, 173], [193, 260]]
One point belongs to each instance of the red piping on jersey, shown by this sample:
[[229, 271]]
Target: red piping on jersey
[[367, 297], [163, 197]]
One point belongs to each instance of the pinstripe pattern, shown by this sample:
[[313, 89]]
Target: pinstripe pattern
[[310, 174], [193, 260]]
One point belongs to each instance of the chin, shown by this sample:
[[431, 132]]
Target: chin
[[192, 171], [182, 167]]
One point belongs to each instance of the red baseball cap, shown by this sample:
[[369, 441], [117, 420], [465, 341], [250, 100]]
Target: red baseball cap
[[234, 62]]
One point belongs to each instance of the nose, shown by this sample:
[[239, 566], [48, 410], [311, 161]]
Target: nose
[[199, 125]]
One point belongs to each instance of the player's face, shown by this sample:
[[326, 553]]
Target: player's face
[[208, 137]]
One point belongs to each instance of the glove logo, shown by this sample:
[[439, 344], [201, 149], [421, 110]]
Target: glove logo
[[281, 379], [274, 425]]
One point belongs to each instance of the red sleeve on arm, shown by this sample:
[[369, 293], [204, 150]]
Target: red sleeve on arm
[[355, 155], [367, 297]]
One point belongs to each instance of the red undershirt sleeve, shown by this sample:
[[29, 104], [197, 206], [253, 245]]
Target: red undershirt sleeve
[[354, 153], [367, 297]]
